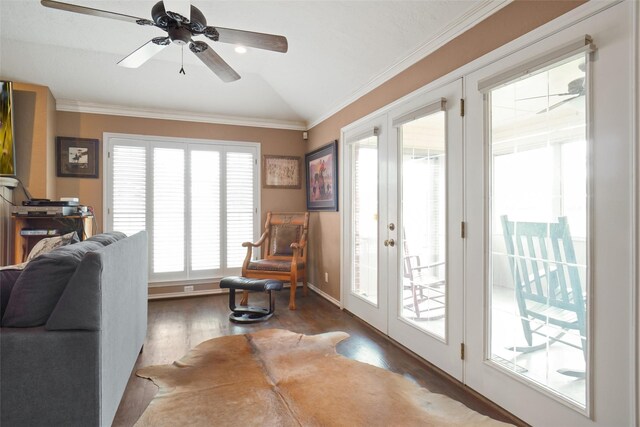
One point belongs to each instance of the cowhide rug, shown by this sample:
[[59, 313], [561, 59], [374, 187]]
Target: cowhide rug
[[280, 378]]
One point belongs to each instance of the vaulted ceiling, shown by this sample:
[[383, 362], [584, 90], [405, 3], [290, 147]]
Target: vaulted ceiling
[[338, 50]]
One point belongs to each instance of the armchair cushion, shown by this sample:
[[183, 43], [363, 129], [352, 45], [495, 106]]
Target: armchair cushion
[[283, 235], [272, 265]]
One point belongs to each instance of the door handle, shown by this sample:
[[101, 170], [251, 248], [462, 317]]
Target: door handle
[[390, 242]]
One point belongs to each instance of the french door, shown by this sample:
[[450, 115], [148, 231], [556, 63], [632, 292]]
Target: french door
[[401, 226], [540, 290], [549, 195]]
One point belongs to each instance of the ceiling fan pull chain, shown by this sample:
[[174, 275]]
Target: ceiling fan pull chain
[[182, 62]]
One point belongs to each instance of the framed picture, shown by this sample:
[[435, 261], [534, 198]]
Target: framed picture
[[281, 172], [77, 157], [322, 178]]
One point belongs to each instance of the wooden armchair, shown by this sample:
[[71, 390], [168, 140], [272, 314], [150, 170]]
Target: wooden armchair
[[284, 252]]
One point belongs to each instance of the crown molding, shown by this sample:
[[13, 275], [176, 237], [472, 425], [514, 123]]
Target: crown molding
[[482, 10], [73, 106]]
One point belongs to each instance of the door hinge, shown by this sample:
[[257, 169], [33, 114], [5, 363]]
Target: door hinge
[[255, 161], [462, 107], [462, 351], [463, 229], [109, 154], [108, 210]]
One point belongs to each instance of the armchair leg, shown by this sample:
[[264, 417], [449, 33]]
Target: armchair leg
[[292, 296]]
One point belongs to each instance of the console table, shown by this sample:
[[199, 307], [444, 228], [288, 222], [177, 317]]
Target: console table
[[82, 224]]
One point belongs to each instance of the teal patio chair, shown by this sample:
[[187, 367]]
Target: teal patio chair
[[547, 281]]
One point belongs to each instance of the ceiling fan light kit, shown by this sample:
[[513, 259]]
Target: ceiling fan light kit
[[181, 30]]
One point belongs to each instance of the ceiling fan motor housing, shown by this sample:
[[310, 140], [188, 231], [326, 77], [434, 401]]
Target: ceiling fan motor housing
[[167, 20]]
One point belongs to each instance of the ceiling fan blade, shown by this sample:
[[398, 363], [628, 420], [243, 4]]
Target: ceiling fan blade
[[142, 54], [545, 96], [179, 7], [558, 104], [251, 39], [93, 12], [212, 60]]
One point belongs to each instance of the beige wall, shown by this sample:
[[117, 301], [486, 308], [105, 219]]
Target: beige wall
[[272, 141], [34, 132], [509, 23]]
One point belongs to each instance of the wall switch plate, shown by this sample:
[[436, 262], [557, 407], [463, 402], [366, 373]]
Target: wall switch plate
[[326, 277], [188, 288]]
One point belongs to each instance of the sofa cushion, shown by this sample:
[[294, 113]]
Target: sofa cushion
[[8, 278], [50, 243], [37, 290], [107, 238]]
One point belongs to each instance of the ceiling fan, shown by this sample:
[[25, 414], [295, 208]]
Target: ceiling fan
[[575, 89], [182, 21]]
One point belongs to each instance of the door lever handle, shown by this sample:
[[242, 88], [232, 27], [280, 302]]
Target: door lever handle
[[390, 242]]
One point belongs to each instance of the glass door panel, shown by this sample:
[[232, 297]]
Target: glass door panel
[[423, 294], [364, 212], [538, 264]]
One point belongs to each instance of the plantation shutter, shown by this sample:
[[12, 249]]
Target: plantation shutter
[[240, 205], [168, 210], [129, 180], [205, 210], [197, 200]]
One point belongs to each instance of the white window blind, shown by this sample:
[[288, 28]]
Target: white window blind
[[198, 201], [168, 210], [205, 210], [129, 183], [240, 205]]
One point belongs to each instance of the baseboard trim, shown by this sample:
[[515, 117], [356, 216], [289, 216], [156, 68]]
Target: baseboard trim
[[169, 295], [324, 295]]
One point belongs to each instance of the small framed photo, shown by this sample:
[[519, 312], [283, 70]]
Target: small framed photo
[[77, 157], [322, 178], [281, 172]]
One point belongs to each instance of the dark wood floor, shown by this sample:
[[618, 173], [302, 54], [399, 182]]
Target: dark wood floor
[[177, 325]]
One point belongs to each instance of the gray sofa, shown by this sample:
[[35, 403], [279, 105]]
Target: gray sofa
[[73, 369]]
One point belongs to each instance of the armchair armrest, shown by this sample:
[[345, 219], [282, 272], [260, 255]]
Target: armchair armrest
[[250, 246], [298, 248]]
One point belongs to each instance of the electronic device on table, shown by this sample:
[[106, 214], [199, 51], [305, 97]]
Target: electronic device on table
[[46, 207]]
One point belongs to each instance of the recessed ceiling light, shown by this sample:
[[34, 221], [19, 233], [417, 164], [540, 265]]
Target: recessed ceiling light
[[241, 49]]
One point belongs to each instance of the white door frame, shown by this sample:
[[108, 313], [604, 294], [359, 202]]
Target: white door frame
[[549, 29], [611, 211]]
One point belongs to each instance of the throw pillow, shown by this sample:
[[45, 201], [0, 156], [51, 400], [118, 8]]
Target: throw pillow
[[107, 238], [37, 291], [50, 243], [8, 278], [20, 266]]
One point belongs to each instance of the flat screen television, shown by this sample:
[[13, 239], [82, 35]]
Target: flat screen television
[[7, 143]]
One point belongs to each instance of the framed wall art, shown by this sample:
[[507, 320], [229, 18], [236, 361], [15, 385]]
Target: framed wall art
[[322, 178], [77, 157], [281, 172]]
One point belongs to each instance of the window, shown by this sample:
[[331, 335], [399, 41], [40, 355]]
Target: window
[[538, 131], [198, 200]]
